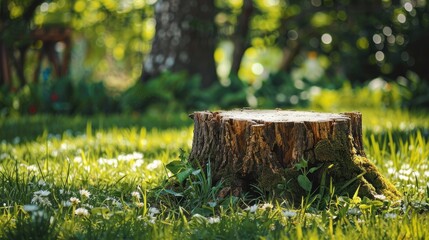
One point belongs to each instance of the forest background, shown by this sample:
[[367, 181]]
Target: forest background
[[105, 56]]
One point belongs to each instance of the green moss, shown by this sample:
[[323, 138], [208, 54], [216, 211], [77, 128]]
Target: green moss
[[347, 168]]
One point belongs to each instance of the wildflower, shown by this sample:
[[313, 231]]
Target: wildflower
[[137, 164], [212, 220], [32, 168], [139, 204], [116, 203], [32, 109], [77, 159], [152, 219], [30, 208], [153, 165], [272, 227], [74, 201], [3, 155], [354, 211], [42, 193], [252, 209], [153, 211], [380, 197], [288, 213], [88, 206], [41, 201], [198, 216], [84, 193], [41, 182], [83, 212], [266, 205], [54, 97], [135, 195], [390, 215]]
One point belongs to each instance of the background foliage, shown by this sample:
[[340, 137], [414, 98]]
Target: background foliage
[[294, 53]]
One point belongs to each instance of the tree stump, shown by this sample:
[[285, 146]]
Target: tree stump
[[263, 147]]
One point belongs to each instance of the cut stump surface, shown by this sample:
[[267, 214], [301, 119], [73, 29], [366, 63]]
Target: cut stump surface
[[262, 147]]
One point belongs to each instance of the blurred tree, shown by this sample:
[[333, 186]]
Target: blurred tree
[[185, 40], [241, 37], [359, 39], [15, 22]]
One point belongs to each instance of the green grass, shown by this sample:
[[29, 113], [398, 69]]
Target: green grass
[[45, 162]]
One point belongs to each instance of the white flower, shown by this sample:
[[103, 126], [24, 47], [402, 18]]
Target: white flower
[[77, 159], [32, 168], [42, 193], [74, 200], [30, 208], [252, 209], [212, 220], [153, 211], [41, 201], [153, 165], [84, 193], [139, 204], [41, 183], [138, 163], [36, 199], [354, 211], [198, 216], [116, 203], [3, 156], [135, 195], [267, 205], [289, 213], [390, 215], [380, 197], [88, 206], [81, 212]]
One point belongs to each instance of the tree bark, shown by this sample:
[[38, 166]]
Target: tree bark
[[185, 40], [262, 147]]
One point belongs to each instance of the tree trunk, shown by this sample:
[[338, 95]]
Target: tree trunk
[[241, 38], [6, 74], [262, 147], [185, 40]]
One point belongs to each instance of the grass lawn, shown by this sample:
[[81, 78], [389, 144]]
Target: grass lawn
[[104, 178]]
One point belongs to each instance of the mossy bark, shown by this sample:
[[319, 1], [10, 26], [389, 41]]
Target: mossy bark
[[261, 147]]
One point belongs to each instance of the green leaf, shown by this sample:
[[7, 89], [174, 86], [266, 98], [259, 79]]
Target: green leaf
[[313, 169], [176, 194], [305, 183], [181, 176], [301, 164], [175, 166]]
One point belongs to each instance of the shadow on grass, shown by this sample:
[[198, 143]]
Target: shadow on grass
[[28, 128]]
